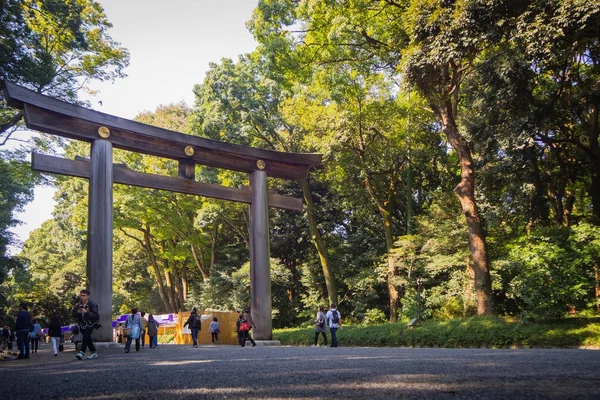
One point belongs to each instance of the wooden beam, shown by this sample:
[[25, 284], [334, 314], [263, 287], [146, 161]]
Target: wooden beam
[[81, 168], [49, 115]]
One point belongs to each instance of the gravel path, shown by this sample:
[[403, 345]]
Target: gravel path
[[231, 372]]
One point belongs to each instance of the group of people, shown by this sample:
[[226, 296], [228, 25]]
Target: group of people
[[28, 332], [333, 319], [136, 326], [194, 323]]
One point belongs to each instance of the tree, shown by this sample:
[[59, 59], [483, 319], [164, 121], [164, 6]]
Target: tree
[[537, 104], [435, 45], [242, 103], [55, 47], [16, 189]]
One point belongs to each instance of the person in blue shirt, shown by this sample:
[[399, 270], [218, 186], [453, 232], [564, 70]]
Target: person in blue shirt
[[34, 336], [335, 321], [133, 322]]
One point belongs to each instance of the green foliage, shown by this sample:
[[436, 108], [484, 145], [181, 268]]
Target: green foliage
[[55, 46], [374, 316], [552, 268]]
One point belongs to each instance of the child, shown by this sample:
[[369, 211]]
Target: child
[[214, 330], [76, 337], [237, 329]]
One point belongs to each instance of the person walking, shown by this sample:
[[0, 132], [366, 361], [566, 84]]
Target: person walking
[[5, 336], [23, 326], [240, 334], [133, 322], [144, 328], [153, 331], [245, 327], [86, 314], [214, 330], [320, 326], [34, 336], [195, 325], [335, 321], [55, 333]]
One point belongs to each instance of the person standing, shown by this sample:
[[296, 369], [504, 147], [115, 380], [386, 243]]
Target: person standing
[[55, 333], [195, 325], [153, 330], [134, 322], [23, 327], [86, 314], [34, 336], [214, 330], [335, 322], [245, 327], [5, 336], [144, 329], [320, 326]]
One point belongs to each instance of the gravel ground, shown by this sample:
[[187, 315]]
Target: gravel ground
[[265, 372]]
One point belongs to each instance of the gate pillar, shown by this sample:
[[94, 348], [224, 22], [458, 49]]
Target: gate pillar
[[260, 267], [100, 235]]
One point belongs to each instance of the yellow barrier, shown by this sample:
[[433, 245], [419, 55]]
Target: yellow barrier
[[226, 321]]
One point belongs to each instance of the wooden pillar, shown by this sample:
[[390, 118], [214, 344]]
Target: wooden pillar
[[100, 235], [260, 276]]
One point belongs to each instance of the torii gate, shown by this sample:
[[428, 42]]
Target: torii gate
[[104, 131]]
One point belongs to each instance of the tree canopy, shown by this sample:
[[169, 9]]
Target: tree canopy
[[460, 167]]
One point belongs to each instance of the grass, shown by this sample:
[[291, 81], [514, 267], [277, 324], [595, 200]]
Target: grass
[[474, 332]]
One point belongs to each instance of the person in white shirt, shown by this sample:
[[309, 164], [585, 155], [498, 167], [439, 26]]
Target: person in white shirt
[[335, 321]]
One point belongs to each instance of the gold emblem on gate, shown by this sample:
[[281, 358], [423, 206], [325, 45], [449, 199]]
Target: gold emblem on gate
[[260, 164], [189, 151], [104, 132]]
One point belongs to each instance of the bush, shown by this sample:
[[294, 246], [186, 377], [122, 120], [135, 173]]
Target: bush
[[494, 332]]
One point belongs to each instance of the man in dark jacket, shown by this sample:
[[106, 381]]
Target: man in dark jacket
[[23, 327], [195, 325], [86, 314]]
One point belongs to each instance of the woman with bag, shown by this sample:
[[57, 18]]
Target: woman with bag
[[55, 333], [133, 328], [245, 327], [320, 326]]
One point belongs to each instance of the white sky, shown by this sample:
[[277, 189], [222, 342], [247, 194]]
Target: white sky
[[171, 44]]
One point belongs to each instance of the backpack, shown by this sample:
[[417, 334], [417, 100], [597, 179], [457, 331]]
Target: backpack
[[195, 323], [335, 317]]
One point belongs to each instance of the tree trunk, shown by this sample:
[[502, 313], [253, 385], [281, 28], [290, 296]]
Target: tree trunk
[[213, 246], [161, 286], [199, 261], [594, 134], [597, 287], [465, 191], [171, 289], [317, 240], [384, 207]]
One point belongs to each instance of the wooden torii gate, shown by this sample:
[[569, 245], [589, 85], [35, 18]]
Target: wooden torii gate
[[104, 131]]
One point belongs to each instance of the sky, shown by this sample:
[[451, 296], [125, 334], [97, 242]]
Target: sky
[[171, 44]]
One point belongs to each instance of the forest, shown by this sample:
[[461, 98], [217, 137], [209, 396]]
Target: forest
[[460, 173]]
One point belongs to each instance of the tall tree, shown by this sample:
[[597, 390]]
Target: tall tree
[[55, 47], [242, 103], [434, 44]]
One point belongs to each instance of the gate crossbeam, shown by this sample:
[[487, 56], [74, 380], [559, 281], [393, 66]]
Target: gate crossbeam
[[82, 168]]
